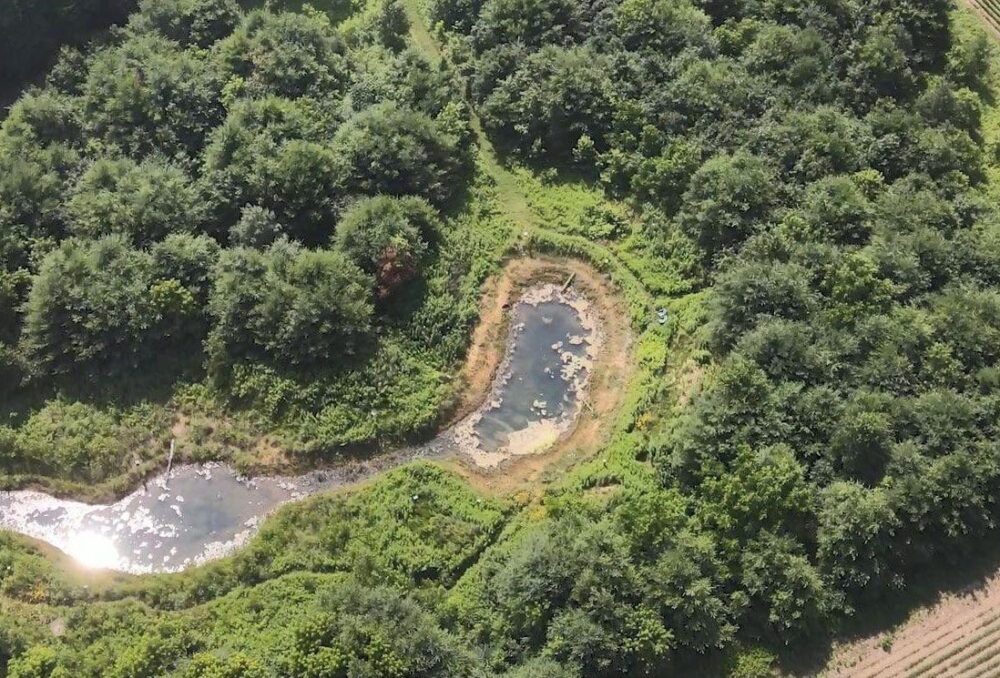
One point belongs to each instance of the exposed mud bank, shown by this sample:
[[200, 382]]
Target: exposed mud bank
[[540, 365]]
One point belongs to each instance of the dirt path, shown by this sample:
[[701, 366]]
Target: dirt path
[[613, 366], [486, 351], [958, 636], [607, 357]]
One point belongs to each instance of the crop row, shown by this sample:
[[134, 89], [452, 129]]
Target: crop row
[[965, 646], [990, 10]]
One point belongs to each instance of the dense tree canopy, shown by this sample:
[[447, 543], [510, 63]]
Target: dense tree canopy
[[98, 304], [388, 237], [826, 162], [265, 192], [297, 307], [143, 202], [199, 119]]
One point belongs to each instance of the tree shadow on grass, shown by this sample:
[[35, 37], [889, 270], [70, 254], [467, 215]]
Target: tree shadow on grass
[[551, 171], [404, 303], [113, 385], [926, 587]]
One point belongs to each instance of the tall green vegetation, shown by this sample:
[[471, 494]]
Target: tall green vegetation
[[171, 203], [268, 189], [288, 305], [388, 238], [828, 165], [102, 306]]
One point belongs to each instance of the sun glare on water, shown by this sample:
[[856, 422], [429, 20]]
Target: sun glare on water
[[93, 551]]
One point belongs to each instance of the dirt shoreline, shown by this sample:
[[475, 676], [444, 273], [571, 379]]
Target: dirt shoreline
[[611, 369]]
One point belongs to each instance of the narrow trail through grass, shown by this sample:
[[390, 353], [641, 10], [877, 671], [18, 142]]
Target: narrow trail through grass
[[514, 200]]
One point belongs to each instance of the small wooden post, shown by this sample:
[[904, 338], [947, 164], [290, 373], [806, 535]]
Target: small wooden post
[[572, 276], [170, 463]]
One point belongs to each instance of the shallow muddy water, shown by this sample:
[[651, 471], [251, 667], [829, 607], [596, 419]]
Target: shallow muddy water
[[206, 511], [537, 388]]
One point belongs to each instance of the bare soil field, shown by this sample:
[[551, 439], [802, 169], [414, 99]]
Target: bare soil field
[[957, 636], [988, 11]]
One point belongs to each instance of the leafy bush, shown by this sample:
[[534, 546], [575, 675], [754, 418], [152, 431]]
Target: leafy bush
[[388, 238]]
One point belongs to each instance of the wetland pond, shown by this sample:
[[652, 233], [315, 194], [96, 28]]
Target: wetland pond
[[201, 512]]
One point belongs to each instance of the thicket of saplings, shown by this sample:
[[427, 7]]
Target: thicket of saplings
[[819, 167]]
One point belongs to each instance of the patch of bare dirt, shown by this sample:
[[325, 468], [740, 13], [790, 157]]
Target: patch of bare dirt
[[610, 371], [991, 24], [958, 636], [181, 427], [269, 453]]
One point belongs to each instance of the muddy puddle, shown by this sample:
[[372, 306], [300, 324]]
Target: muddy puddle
[[206, 511]]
